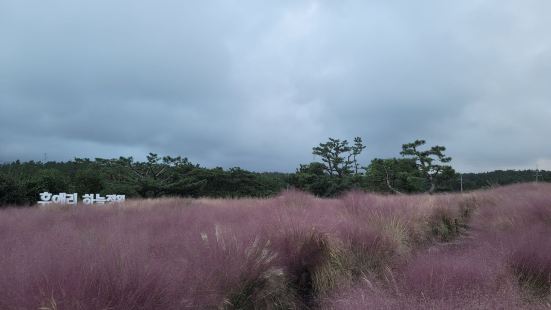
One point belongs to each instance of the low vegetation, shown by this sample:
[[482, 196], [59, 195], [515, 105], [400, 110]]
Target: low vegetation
[[339, 170], [486, 249]]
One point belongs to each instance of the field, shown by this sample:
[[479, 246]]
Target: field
[[479, 250]]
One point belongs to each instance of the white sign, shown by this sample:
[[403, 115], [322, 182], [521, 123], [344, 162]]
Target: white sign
[[72, 199]]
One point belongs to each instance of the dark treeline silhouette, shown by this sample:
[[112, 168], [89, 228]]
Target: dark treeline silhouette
[[20, 182], [338, 171], [472, 181]]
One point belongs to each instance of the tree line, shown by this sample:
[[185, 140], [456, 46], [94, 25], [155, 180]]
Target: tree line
[[158, 176], [419, 169]]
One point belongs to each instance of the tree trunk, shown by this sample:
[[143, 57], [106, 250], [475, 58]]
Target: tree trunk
[[432, 185], [388, 183]]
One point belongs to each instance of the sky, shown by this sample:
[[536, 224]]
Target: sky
[[257, 84]]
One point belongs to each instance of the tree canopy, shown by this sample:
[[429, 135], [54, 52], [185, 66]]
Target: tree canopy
[[419, 170], [430, 162]]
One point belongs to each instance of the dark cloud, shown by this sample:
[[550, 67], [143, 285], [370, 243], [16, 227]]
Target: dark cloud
[[257, 85]]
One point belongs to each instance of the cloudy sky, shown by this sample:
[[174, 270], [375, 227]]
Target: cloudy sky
[[246, 83]]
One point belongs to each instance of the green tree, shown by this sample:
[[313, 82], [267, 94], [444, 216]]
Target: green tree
[[11, 193], [431, 162], [394, 175], [357, 149], [313, 178], [339, 170], [156, 176], [88, 180], [338, 157], [50, 180], [331, 154]]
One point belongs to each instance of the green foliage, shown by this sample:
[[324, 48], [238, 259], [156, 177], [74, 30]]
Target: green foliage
[[155, 177], [357, 149], [394, 175], [472, 181], [314, 179], [338, 171], [49, 180], [10, 192], [88, 180], [20, 183], [338, 157], [431, 162]]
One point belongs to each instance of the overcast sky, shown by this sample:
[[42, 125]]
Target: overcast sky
[[257, 85]]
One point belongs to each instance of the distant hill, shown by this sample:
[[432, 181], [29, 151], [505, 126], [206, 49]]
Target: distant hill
[[473, 181]]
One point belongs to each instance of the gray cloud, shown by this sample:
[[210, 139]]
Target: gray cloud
[[257, 85]]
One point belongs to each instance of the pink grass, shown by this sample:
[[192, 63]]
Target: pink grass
[[266, 253]]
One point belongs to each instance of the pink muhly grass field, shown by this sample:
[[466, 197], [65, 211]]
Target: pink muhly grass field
[[293, 251]]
